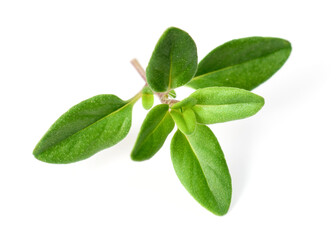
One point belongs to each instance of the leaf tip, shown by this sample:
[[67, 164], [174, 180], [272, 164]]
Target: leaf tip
[[135, 156], [262, 101], [37, 152]]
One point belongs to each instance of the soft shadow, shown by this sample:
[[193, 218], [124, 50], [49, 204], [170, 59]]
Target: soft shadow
[[118, 152], [281, 98], [241, 164], [239, 141]]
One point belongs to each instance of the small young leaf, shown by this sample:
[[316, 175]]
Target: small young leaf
[[146, 90], [147, 98], [201, 167], [85, 129], [173, 62], [242, 63], [172, 94], [185, 120], [153, 133], [222, 104]]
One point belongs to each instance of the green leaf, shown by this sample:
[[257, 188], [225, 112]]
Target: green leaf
[[153, 133], [147, 98], [147, 101], [172, 94], [173, 62], [202, 168], [185, 103], [146, 90], [85, 129], [222, 104], [242, 63], [185, 119]]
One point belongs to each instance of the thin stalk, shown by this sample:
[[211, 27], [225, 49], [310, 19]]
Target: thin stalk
[[162, 96], [139, 69], [136, 97]]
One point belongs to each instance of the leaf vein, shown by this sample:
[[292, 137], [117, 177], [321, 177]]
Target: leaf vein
[[232, 66]]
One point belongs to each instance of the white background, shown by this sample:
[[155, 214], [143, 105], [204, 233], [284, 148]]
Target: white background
[[54, 54]]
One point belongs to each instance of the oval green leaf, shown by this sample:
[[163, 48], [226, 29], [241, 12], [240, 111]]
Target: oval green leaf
[[147, 101], [185, 119], [222, 104], [202, 168], [173, 62], [242, 63], [85, 129], [147, 98], [153, 133]]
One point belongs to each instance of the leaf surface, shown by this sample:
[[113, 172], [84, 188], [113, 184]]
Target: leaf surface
[[222, 104], [201, 167], [147, 98], [85, 129], [242, 63], [185, 119], [185, 103], [172, 94], [153, 133], [173, 62]]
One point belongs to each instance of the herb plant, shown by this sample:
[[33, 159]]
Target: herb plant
[[223, 80]]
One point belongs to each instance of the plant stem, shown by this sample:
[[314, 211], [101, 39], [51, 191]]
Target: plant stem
[[139, 69], [162, 96], [136, 97]]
